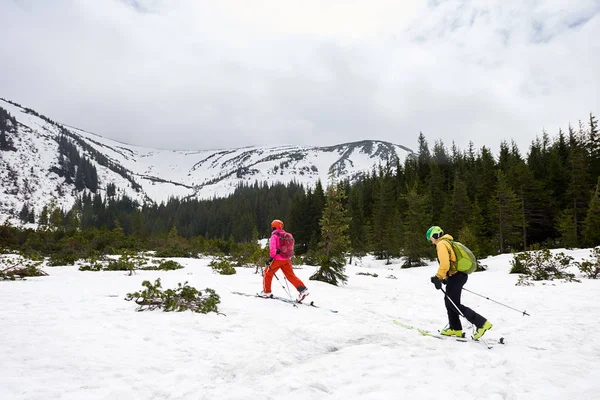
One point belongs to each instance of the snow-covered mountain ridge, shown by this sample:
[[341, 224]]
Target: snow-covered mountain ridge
[[31, 163]]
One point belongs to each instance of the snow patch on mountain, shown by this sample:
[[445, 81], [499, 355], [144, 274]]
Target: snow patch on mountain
[[28, 175]]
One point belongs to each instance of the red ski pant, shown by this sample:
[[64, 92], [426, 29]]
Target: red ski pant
[[288, 271]]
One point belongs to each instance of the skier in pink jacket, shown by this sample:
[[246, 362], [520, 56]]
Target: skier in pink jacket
[[281, 251]]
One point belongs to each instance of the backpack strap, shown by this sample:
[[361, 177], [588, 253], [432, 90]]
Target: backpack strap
[[451, 250]]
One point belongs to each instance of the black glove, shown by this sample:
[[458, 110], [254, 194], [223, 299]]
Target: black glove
[[436, 282], [268, 263]]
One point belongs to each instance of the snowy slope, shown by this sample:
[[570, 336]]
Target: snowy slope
[[161, 174], [72, 335]]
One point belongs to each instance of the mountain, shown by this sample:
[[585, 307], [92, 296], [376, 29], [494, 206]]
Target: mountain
[[42, 160]]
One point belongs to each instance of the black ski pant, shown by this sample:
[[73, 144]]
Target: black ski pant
[[453, 291]]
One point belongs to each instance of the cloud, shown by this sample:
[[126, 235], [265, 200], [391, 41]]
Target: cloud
[[188, 74]]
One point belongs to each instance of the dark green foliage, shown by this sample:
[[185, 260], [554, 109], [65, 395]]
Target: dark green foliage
[[383, 242], [335, 241], [8, 128], [311, 258], [164, 265], [183, 298], [367, 274], [357, 230], [222, 266], [249, 254], [128, 261], [566, 227], [175, 246], [591, 224], [416, 222], [74, 168], [591, 268], [20, 268], [539, 264], [493, 204], [505, 210], [62, 258], [331, 270]]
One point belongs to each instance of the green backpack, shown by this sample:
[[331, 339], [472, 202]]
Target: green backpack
[[465, 260]]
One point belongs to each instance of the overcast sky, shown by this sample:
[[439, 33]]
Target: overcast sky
[[199, 74]]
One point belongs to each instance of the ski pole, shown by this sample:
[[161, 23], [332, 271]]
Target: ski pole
[[523, 312], [287, 286], [286, 290], [457, 309]]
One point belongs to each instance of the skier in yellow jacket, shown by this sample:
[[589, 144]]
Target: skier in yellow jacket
[[455, 280]]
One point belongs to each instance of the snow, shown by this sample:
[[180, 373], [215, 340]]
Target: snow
[[71, 335], [163, 174]]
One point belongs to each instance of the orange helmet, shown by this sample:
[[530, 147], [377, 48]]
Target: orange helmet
[[277, 224]]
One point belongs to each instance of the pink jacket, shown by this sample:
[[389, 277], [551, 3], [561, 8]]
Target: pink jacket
[[274, 245]]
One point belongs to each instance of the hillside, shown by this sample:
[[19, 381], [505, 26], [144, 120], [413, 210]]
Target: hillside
[[42, 159]]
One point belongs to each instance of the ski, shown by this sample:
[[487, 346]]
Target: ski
[[290, 301], [443, 337], [427, 333]]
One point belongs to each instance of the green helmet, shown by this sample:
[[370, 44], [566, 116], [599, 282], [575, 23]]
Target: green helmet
[[434, 232]]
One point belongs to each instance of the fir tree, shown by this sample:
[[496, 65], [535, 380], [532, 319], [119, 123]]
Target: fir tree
[[416, 222], [357, 229], [506, 209], [423, 159], [55, 216], [3, 140], [382, 213], [473, 233], [593, 145], [579, 188], [24, 213], [335, 241], [437, 194], [591, 224], [460, 204], [566, 226], [43, 221]]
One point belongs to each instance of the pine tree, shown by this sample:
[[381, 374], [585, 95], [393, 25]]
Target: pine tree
[[593, 145], [3, 140], [43, 221], [335, 241], [416, 222], [565, 225], [24, 213], [591, 224], [437, 193], [482, 177], [55, 216], [579, 188], [461, 206], [382, 213], [315, 204], [357, 229], [473, 234], [506, 209], [423, 159], [80, 182]]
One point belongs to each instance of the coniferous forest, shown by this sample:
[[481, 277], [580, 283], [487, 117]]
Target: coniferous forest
[[494, 203]]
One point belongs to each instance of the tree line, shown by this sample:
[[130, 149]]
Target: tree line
[[492, 203]]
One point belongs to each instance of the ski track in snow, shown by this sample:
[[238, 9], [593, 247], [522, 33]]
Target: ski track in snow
[[71, 335]]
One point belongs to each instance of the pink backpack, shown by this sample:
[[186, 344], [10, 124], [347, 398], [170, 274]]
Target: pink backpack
[[286, 244]]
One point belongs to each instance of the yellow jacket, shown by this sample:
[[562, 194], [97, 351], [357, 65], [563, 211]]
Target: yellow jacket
[[446, 257]]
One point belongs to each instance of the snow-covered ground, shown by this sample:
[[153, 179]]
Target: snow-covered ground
[[71, 335]]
